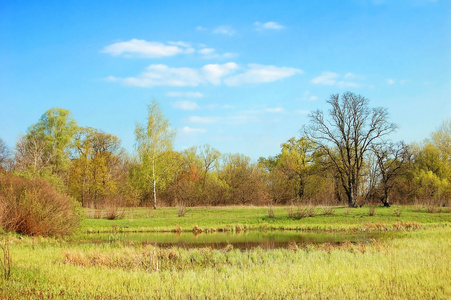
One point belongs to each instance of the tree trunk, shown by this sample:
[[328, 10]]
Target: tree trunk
[[352, 196], [154, 185], [385, 199]]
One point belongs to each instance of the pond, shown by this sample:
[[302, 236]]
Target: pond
[[243, 240]]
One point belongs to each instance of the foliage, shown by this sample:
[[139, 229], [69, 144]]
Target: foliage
[[98, 168], [154, 141], [35, 207], [47, 142]]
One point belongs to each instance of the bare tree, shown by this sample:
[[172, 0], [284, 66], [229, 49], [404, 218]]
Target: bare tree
[[347, 135], [390, 159], [5, 155]]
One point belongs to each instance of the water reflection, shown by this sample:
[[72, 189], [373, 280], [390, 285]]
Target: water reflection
[[242, 240]]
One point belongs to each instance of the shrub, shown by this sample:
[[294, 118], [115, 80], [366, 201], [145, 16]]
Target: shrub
[[328, 210], [398, 211], [35, 207], [181, 210], [113, 209], [301, 212], [271, 213]]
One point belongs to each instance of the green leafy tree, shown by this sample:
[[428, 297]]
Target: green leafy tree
[[432, 173], [97, 167], [46, 145], [154, 140]]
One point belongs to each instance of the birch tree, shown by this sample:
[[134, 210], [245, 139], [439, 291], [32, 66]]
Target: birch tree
[[154, 141]]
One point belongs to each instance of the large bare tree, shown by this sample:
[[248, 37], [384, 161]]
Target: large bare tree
[[346, 135]]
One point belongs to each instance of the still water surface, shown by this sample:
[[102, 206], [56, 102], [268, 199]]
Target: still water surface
[[242, 240]]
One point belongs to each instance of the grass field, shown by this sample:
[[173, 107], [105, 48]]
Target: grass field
[[414, 264]]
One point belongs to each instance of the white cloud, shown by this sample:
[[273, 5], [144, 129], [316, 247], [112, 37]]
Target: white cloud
[[147, 49], [213, 73], [206, 51], [216, 74], [185, 94], [162, 75], [189, 130], [180, 44], [185, 105], [326, 78], [225, 30], [260, 73], [390, 81], [331, 78], [201, 28], [268, 25], [308, 97], [210, 53], [275, 110]]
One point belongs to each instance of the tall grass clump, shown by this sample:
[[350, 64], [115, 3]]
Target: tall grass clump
[[271, 213], [181, 210], [114, 209], [372, 211], [398, 211], [301, 212], [5, 259], [35, 207]]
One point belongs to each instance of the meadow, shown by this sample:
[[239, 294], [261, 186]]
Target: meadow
[[411, 263]]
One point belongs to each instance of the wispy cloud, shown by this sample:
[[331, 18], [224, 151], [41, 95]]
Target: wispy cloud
[[275, 110], [241, 118], [268, 26], [260, 73], [190, 130], [185, 105], [144, 48], [216, 74], [308, 97], [225, 30], [162, 75], [335, 79], [391, 81], [185, 94], [210, 53]]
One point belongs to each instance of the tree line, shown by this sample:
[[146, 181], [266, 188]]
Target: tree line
[[341, 157]]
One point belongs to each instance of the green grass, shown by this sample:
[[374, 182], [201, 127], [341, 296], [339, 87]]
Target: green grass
[[166, 219], [413, 264]]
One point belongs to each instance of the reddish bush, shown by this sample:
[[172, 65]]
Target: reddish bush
[[35, 207]]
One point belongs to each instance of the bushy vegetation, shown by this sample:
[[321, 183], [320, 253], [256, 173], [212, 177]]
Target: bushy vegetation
[[343, 158], [35, 207]]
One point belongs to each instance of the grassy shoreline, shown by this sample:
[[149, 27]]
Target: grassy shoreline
[[256, 218], [413, 265]]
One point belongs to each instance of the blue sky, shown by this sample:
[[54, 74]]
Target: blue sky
[[241, 76]]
